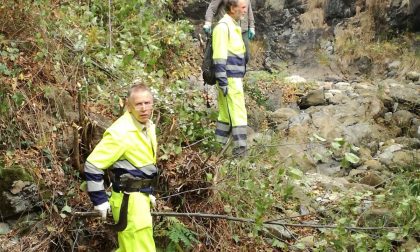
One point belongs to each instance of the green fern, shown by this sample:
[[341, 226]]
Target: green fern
[[180, 233]]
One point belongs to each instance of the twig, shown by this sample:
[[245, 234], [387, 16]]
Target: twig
[[199, 141]]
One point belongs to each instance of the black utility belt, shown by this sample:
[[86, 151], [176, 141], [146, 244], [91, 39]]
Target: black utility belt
[[146, 190], [140, 185]]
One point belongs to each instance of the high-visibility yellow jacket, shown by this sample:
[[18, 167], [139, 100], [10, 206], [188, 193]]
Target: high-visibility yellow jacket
[[228, 50], [129, 147]]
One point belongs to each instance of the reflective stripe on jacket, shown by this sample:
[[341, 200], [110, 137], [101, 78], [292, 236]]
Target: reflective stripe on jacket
[[127, 146], [228, 50]]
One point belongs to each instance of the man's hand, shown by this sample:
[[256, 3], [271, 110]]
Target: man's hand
[[152, 200], [251, 33], [207, 28], [103, 208], [224, 90]]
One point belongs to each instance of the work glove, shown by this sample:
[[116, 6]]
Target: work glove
[[224, 90], [152, 200], [207, 28], [251, 33], [103, 208]]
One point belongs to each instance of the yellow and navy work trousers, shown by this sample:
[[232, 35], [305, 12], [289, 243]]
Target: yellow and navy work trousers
[[232, 117], [138, 235]]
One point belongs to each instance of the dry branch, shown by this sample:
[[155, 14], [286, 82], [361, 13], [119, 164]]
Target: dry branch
[[247, 220]]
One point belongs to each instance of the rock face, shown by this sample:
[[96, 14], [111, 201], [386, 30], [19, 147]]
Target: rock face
[[294, 30]]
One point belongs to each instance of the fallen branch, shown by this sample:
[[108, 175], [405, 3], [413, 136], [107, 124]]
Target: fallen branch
[[247, 220]]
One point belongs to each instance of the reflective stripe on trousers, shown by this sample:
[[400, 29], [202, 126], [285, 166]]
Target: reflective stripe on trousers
[[232, 117]]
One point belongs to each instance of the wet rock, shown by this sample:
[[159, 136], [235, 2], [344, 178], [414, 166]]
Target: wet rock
[[313, 98]]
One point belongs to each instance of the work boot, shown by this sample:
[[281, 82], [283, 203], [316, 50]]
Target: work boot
[[239, 151]]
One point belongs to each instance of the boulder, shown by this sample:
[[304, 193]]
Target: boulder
[[18, 193], [386, 155], [373, 165], [278, 231], [405, 159], [412, 76], [407, 97], [359, 133], [282, 115], [402, 118], [313, 98]]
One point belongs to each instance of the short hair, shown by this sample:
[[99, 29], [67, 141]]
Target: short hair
[[138, 86], [230, 4]]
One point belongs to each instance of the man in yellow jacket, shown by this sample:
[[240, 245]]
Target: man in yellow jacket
[[229, 60], [129, 148]]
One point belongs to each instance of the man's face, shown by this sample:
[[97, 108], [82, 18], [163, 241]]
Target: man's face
[[239, 11], [140, 105]]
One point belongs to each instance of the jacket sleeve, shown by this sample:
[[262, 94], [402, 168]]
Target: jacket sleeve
[[220, 42], [212, 10], [107, 152], [251, 22]]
